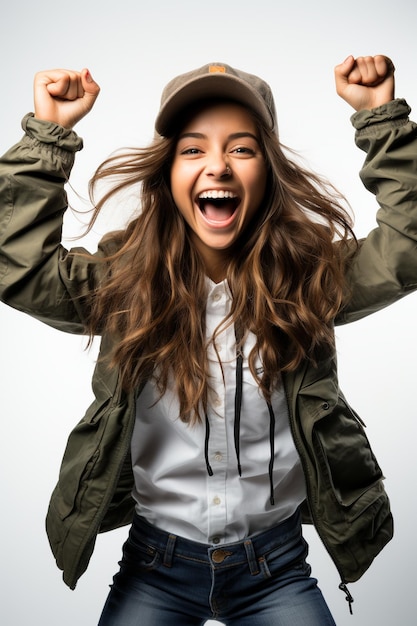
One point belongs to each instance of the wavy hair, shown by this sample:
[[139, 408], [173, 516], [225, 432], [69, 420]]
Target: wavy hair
[[285, 274]]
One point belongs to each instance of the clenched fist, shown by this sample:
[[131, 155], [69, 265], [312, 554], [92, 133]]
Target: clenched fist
[[365, 82], [64, 96]]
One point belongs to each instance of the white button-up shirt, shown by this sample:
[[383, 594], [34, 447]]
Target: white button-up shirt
[[173, 489]]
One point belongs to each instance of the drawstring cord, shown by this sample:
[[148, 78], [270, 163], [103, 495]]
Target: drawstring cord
[[236, 429], [206, 445], [272, 444], [349, 597], [238, 407]]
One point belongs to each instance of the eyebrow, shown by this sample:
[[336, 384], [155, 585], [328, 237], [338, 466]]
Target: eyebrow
[[240, 135]]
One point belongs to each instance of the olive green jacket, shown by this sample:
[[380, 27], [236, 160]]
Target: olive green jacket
[[346, 499]]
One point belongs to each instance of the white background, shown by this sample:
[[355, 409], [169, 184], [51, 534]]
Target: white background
[[132, 49]]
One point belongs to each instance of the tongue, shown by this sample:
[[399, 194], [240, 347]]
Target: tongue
[[219, 212]]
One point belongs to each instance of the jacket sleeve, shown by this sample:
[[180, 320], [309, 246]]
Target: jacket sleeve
[[384, 267], [37, 274]]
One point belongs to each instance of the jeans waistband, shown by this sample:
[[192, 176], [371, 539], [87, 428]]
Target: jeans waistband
[[222, 555]]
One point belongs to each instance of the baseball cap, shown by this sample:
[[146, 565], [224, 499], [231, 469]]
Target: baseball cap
[[215, 80]]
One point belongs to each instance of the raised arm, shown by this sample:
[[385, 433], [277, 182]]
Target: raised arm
[[37, 274], [384, 268]]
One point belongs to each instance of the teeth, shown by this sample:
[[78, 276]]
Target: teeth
[[216, 194]]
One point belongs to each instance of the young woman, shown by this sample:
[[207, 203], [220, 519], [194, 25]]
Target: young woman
[[218, 423]]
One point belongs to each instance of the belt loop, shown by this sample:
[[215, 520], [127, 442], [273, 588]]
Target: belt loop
[[169, 550], [250, 553]]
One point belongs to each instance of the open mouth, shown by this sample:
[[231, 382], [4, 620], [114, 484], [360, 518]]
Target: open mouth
[[218, 206]]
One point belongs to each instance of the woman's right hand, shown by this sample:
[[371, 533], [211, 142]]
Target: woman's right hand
[[64, 96]]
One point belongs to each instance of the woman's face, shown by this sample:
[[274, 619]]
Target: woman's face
[[218, 179]]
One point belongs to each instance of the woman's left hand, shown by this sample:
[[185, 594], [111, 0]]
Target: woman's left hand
[[365, 82]]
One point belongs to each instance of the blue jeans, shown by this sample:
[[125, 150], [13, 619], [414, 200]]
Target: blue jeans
[[166, 580]]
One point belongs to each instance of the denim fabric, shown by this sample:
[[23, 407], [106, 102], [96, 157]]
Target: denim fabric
[[166, 580]]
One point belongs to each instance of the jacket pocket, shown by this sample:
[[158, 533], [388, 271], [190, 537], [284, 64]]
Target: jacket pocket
[[347, 463]]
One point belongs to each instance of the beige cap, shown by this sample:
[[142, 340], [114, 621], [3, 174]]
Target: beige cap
[[215, 80]]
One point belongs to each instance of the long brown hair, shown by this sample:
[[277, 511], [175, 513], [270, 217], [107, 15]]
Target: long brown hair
[[285, 274]]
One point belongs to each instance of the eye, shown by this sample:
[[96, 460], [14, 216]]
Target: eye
[[243, 150], [190, 151]]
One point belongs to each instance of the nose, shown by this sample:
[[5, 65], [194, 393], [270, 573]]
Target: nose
[[217, 166]]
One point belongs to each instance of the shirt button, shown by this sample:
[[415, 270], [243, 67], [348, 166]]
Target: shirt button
[[218, 456], [216, 296], [216, 540], [216, 500]]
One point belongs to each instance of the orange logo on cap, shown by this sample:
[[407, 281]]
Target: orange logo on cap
[[217, 68]]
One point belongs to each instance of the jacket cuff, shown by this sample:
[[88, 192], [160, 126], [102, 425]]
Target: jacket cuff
[[51, 133], [396, 111]]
